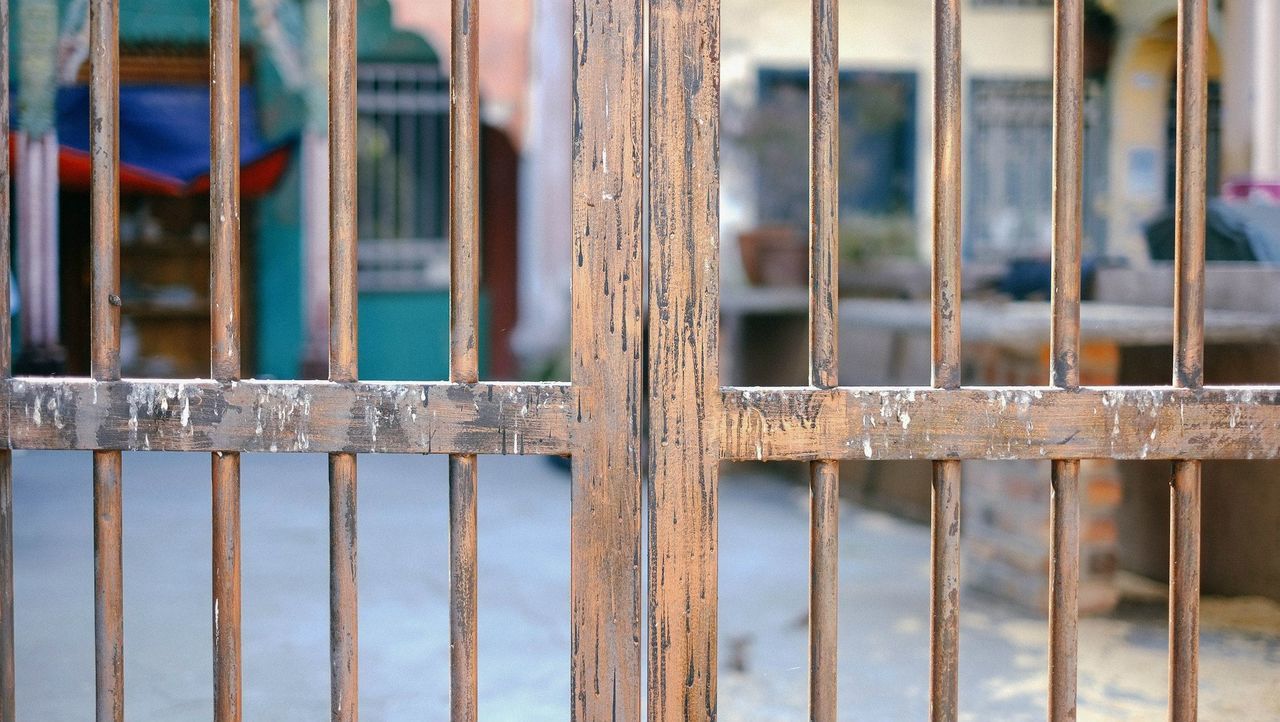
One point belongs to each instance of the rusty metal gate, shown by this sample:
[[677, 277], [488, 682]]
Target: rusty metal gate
[[693, 423]]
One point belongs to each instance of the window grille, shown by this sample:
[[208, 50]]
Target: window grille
[[402, 152]]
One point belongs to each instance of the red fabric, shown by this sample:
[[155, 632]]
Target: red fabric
[[256, 178]]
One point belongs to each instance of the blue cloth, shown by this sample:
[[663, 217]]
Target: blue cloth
[[164, 129]]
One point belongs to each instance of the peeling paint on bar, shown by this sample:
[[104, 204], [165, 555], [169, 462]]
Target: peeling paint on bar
[[767, 424], [804, 424], [288, 416]]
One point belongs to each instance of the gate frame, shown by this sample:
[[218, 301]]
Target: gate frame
[[694, 423]]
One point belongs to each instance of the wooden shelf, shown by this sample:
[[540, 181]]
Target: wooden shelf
[[165, 248], [151, 311]]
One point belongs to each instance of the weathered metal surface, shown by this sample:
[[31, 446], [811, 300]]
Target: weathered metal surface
[[344, 697], [769, 424], [1064, 587], [8, 708], [1188, 350], [693, 423], [824, 324], [1064, 352], [344, 658], [463, 595], [1034, 422], [104, 350], [1184, 591], [288, 416], [944, 595], [684, 270], [464, 304], [226, 586], [944, 585], [108, 586], [224, 349], [824, 587], [607, 360]]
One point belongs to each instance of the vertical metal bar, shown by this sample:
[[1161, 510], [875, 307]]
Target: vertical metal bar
[[104, 313], [607, 300], [463, 629], [224, 294], [1188, 351], [108, 600], [684, 401], [8, 707], [343, 639], [1064, 562], [343, 357], [1064, 508], [824, 303], [464, 301], [944, 632]]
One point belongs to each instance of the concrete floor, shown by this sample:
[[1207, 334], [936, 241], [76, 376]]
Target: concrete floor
[[524, 576]]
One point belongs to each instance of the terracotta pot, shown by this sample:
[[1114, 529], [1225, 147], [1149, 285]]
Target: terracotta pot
[[774, 256]]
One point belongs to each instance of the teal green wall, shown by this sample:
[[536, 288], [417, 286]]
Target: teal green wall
[[405, 336]]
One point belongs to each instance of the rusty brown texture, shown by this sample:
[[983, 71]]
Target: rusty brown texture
[[8, 707], [463, 594], [684, 199], [104, 323], [288, 416], [343, 359], [226, 587], [607, 359], [108, 586], [824, 302], [104, 189], [1064, 356], [464, 191], [343, 233], [1033, 422], [1064, 574], [693, 423], [343, 630], [464, 285], [824, 586], [767, 424], [224, 350], [1188, 351], [944, 585], [1184, 591], [944, 595]]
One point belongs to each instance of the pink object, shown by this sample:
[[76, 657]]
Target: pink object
[[1250, 189]]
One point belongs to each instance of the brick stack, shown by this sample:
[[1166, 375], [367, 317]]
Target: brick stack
[[1005, 531], [1005, 504]]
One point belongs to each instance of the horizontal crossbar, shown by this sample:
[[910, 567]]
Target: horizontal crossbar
[[303, 416], [1126, 422], [767, 424]]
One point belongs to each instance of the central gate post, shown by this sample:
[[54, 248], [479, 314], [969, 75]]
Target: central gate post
[[607, 300], [684, 400]]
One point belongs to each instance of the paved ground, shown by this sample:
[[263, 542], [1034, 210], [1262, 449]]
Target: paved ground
[[524, 611]]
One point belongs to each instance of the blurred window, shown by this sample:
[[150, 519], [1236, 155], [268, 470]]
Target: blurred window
[[1009, 169], [402, 159], [877, 144]]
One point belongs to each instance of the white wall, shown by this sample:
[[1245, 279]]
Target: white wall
[[879, 35]]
